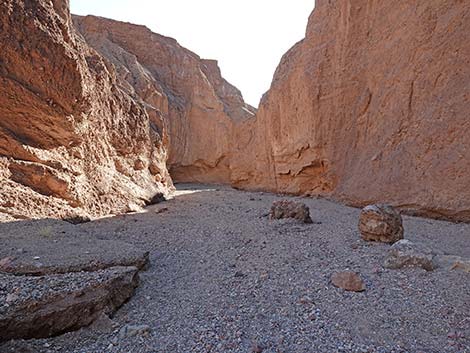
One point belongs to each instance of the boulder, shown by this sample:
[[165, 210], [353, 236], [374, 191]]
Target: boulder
[[405, 253], [380, 223], [290, 209]]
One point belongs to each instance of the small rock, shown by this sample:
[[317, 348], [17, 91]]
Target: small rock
[[239, 274], [381, 223], [77, 219], [134, 330], [450, 263], [161, 210], [306, 300], [408, 254], [349, 281], [6, 262], [290, 209], [103, 324], [11, 297], [257, 348]]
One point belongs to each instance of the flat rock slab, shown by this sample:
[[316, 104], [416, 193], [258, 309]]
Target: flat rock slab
[[44, 306], [48, 249]]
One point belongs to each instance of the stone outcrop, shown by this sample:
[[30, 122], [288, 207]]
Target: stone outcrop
[[372, 106], [38, 307], [200, 109], [73, 141], [56, 278]]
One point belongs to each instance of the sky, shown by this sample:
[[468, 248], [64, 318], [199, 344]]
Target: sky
[[247, 37]]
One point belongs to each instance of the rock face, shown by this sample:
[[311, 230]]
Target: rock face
[[73, 141], [200, 109], [55, 278], [372, 106], [38, 307], [380, 223], [290, 209]]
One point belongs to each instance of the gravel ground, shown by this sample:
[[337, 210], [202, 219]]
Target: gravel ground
[[224, 277], [46, 246]]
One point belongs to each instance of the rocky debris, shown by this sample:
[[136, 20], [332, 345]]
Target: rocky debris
[[133, 330], [192, 302], [350, 117], [37, 307], [199, 108], [452, 262], [380, 223], [405, 253], [290, 209], [103, 324], [50, 249], [70, 134], [349, 281]]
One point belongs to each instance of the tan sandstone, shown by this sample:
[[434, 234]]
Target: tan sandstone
[[198, 106], [372, 106], [70, 136]]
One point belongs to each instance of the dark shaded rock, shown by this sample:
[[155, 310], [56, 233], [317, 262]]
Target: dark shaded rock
[[290, 209], [77, 219], [39, 307], [381, 223], [157, 198]]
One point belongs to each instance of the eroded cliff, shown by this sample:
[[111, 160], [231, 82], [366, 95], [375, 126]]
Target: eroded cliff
[[73, 141], [371, 106], [199, 107]]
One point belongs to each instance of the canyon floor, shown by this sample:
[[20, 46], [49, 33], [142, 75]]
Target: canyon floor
[[223, 277]]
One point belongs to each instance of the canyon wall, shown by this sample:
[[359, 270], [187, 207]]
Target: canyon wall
[[93, 110], [73, 142], [372, 106], [199, 108]]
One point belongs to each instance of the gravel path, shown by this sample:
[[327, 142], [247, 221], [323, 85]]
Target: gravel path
[[225, 278]]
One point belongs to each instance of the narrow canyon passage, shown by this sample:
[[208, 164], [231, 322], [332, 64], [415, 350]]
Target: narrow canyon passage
[[223, 277]]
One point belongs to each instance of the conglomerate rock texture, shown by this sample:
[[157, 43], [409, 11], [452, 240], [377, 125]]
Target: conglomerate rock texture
[[372, 106], [200, 109], [72, 141]]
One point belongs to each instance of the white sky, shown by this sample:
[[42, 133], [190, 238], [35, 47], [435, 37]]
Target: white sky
[[247, 37]]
